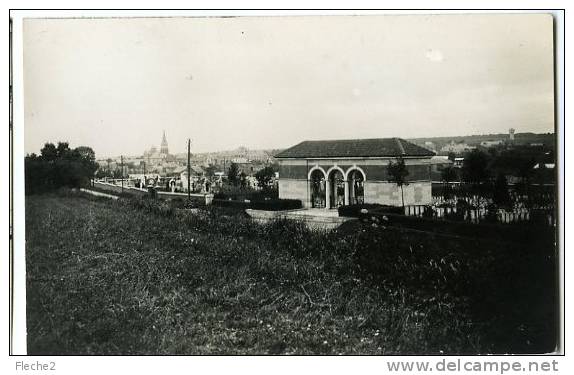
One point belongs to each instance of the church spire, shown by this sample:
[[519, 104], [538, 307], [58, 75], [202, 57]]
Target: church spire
[[164, 149]]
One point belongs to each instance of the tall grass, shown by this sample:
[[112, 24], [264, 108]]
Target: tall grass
[[140, 277]]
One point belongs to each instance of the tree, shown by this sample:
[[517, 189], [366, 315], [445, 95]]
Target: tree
[[451, 156], [242, 179], [117, 173], [49, 152], [398, 173], [233, 174], [59, 166], [448, 175], [525, 168], [542, 173], [475, 167], [87, 157], [501, 196], [264, 177], [63, 148]]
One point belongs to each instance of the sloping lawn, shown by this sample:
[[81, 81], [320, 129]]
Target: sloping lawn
[[138, 277]]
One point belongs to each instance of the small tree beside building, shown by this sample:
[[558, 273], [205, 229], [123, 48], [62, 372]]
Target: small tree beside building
[[398, 173]]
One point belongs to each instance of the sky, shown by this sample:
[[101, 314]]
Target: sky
[[115, 84]]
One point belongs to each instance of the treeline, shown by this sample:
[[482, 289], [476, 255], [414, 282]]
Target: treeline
[[480, 166], [59, 166], [486, 174]]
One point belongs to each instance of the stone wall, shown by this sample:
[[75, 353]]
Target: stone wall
[[202, 199], [294, 189], [417, 193], [118, 188]]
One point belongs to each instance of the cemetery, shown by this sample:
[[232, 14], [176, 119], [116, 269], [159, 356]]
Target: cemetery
[[418, 278]]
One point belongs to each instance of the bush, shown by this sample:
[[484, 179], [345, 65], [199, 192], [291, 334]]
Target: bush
[[277, 204], [182, 203], [151, 205], [384, 209], [292, 235], [244, 193], [266, 205], [397, 259], [230, 203], [59, 166], [354, 210], [233, 192]]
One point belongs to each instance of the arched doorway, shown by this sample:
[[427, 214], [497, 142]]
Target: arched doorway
[[317, 187], [356, 182], [337, 189]]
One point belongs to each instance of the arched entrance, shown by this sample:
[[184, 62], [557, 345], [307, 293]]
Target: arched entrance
[[356, 182], [336, 189], [317, 187]]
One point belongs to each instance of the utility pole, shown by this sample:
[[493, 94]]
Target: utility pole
[[122, 171], [188, 169]]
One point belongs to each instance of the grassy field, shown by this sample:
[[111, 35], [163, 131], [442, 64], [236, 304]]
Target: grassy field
[[138, 277]]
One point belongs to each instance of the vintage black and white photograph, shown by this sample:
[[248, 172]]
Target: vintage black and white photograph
[[291, 185]]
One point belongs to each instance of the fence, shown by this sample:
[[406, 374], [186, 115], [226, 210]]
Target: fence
[[533, 196], [484, 202], [544, 216]]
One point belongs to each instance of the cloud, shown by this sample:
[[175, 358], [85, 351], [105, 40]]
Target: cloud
[[434, 55]]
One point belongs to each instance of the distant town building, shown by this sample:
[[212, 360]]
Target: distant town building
[[164, 150], [328, 174], [495, 143], [457, 148], [240, 160], [511, 134]]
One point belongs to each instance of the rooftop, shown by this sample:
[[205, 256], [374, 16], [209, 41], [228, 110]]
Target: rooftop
[[375, 147]]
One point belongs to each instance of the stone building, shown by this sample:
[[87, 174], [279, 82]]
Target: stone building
[[328, 174], [164, 149]]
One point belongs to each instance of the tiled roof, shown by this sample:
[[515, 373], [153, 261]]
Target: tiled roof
[[194, 170], [377, 147]]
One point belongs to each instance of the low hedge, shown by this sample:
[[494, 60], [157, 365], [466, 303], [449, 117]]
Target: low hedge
[[230, 203], [238, 193], [266, 205], [354, 210], [277, 204]]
